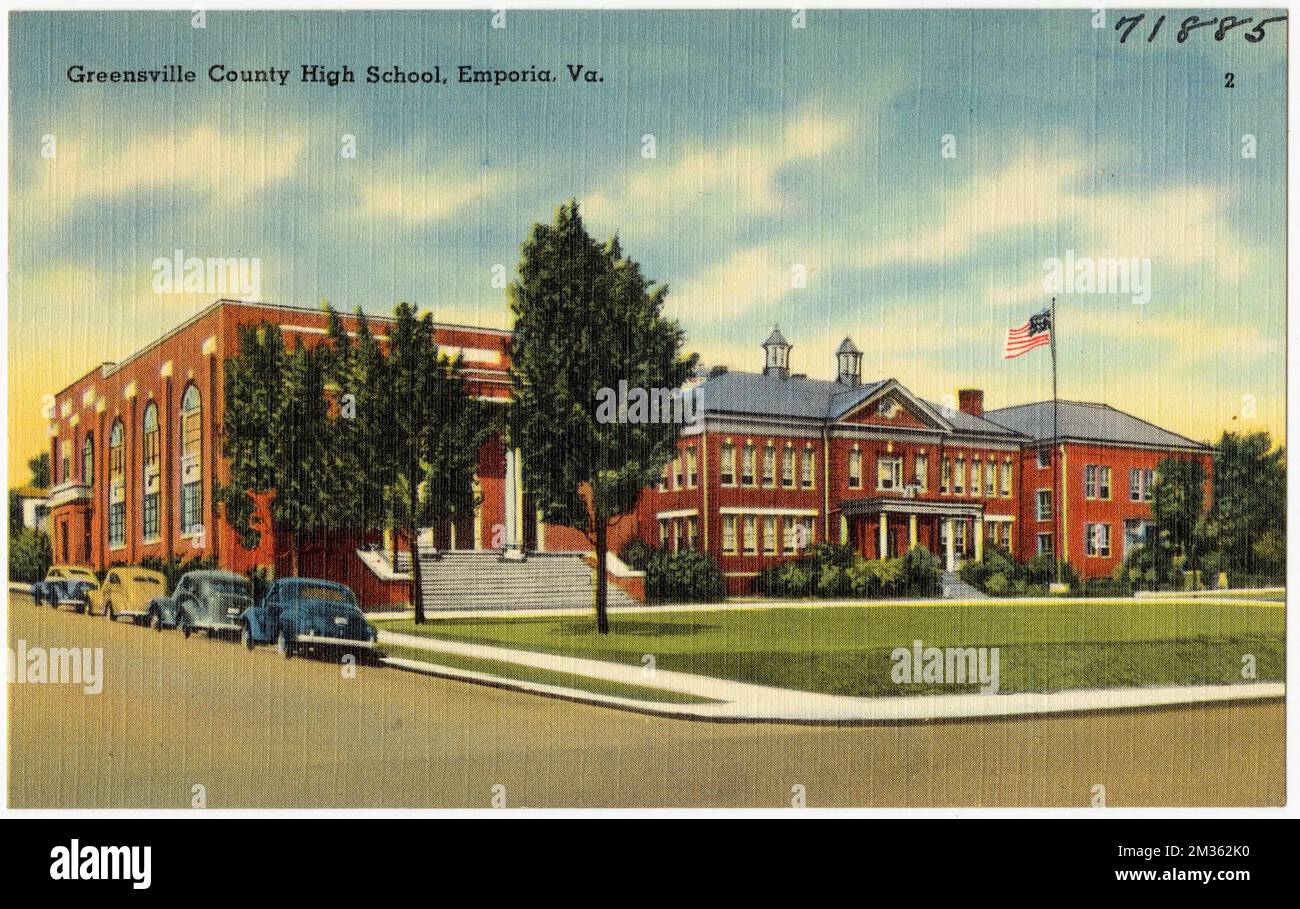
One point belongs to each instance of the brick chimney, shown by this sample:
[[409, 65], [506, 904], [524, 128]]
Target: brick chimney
[[971, 401]]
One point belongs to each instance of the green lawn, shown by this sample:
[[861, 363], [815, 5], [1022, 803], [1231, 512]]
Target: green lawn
[[546, 677], [846, 650]]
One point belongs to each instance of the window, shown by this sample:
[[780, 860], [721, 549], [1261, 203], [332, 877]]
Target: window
[[677, 471], [677, 535], [807, 531], [791, 535], [692, 532], [787, 467], [922, 469], [150, 475], [1044, 544], [1103, 483], [945, 475], [1140, 482], [855, 469], [88, 460], [959, 478], [809, 468], [889, 473], [747, 476], [769, 536], [769, 465], [65, 456], [727, 469], [729, 534], [1044, 504], [692, 468], [663, 533], [1090, 481], [191, 461], [751, 533], [117, 486], [1097, 539], [663, 478], [975, 483], [1006, 479], [990, 478], [1044, 457]]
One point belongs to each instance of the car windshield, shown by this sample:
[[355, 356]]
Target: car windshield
[[228, 586], [322, 592], [145, 579], [80, 574]]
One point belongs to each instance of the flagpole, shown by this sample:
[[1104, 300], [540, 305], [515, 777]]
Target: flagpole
[[1058, 493]]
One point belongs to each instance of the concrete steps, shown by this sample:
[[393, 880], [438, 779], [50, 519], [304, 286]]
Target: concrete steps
[[482, 579], [954, 588]]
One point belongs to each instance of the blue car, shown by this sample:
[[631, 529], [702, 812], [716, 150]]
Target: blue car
[[308, 614], [65, 585]]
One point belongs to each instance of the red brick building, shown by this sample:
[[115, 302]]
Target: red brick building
[[773, 462], [135, 449], [777, 461]]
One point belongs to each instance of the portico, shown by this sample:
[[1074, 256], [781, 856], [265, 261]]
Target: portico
[[884, 527]]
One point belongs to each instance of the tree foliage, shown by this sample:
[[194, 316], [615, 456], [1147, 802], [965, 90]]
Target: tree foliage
[[586, 319]]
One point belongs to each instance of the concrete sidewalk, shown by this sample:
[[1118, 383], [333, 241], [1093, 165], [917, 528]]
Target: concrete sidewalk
[[741, 701]]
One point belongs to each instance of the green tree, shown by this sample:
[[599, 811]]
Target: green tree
[[40, 468], [1246, 524], [254, 390], [306, 474], [585, 319], [1177, 505], [433, 434], [30, 554]]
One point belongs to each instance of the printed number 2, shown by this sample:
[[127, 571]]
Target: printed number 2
[[1227, 80]]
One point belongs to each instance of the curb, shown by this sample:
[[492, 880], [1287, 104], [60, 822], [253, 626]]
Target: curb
[[900, 710]]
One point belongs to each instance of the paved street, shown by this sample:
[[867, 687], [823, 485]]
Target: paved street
[[257, 731]]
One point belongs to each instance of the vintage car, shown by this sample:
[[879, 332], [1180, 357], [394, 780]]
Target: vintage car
[[65, 585], [212, 601], [307, 613], [126, 594]]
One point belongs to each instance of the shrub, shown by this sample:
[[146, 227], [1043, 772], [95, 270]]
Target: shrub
[[997, 584], [684, 577], [922, 573], [30, 555]]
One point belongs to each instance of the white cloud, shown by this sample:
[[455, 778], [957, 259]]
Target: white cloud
[[226, 167], [738, 179], [426, 197], [753, 278]]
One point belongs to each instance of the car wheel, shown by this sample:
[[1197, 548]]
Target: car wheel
[[282, 645], [246, 637]]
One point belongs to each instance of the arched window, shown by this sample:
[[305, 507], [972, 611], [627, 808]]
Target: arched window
[[149, 479], [191, 461], [88, 460], [117, 486]]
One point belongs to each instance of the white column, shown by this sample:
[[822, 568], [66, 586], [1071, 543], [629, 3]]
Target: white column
[[508, 494], [911, 531], [979, 539], [884, 535], [952, 558]]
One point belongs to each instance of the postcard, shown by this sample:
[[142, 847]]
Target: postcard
[[563, 409]]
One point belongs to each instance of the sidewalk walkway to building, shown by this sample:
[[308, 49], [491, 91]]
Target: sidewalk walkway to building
[[741, 702]]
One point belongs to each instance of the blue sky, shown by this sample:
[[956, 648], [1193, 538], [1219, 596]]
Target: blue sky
[[775, 148]]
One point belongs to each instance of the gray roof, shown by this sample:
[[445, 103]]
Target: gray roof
[[965, 422], [776, 338], [756, 394], [1090, 422]]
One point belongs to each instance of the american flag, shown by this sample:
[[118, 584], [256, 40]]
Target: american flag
[[1034, 333]]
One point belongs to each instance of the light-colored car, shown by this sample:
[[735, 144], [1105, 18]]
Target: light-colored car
[[209, 600], [126, 594], [65, 585]]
